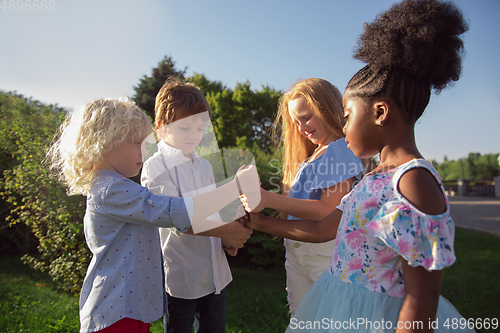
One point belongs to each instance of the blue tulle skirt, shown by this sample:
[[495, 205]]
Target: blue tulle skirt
[[331, 305]]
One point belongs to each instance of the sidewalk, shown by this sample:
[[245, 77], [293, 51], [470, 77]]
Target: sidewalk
[[477, 213]]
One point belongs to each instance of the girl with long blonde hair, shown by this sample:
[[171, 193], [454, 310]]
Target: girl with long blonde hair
[[318, 170]]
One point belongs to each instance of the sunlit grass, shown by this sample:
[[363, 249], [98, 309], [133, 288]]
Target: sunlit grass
[[29, 302], [472, 284]]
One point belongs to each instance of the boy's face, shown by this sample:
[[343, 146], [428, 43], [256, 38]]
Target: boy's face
[[185, 134]]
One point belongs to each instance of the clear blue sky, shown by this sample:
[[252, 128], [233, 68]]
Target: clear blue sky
[[89, 49]]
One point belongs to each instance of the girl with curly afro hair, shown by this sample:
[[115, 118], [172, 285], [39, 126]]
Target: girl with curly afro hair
[[394, 233]]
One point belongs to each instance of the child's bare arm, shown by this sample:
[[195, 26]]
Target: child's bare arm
[[308, 209], [422, 190], [301, 230], [422, 297], [234, 233], [422, 287]]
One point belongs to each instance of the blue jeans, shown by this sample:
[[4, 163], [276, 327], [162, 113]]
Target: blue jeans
[[208, 314]]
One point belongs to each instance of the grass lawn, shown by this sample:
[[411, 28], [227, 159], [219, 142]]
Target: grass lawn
[[256, 298], [30, 303], [472, 284]]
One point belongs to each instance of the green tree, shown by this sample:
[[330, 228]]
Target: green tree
[[264, 112], [207, 86], [243, 117], [483, 166], [240, 117], [473, 167], [148, 87], [221, 104]]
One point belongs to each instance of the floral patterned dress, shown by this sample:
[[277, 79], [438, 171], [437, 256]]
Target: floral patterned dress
[[363, 288]]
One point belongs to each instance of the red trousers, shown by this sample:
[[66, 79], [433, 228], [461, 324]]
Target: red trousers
[[127, 325]]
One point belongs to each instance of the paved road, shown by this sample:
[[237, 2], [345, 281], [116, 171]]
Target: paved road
[[477, 213]]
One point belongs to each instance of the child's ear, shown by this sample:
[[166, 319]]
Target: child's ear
[[382, 111]]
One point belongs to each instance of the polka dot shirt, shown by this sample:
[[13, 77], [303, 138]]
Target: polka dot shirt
[[124, 278]]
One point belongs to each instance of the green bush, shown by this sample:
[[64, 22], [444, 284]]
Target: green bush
[[263, 250], [33, 196]]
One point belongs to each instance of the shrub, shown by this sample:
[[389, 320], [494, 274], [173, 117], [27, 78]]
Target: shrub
[[263, 250], [34, 198]]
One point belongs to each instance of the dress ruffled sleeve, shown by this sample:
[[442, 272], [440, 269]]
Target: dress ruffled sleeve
[[343, 201], [421, 239]]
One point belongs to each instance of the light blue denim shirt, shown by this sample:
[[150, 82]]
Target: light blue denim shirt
[[124, 278], [337, 164]]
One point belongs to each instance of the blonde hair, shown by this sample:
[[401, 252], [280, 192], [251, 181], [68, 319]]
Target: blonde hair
[[88, 133], [176, 100], [325, 101]]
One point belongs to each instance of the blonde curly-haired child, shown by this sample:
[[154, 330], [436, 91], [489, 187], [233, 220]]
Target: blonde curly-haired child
[[99, 147]]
